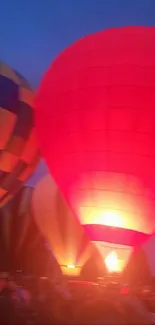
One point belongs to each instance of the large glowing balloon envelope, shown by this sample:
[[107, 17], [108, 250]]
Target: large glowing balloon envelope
[[95, 118], [67, 239], [18, 147]]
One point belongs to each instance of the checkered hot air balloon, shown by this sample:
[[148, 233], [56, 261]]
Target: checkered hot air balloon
[[18, 149]]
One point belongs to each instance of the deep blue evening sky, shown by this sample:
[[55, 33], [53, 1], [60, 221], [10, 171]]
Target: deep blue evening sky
[[33, 32]]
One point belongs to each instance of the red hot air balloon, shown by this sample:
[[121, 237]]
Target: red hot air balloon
[[95, 117]]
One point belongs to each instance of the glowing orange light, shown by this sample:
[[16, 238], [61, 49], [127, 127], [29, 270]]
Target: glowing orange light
[[70, 266], [111, 218], [71, 269], [112, 262]]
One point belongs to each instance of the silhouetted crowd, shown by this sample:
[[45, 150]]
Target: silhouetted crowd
[[29, 300], [95, 297]]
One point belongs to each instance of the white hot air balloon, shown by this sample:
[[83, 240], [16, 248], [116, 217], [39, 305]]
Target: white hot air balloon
[[63, 232]]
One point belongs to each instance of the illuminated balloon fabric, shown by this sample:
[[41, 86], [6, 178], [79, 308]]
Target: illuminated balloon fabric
[[95, 118], [18, 150], [22, 246], [15, 224], [66, 237], [148, 248], [139, 268]]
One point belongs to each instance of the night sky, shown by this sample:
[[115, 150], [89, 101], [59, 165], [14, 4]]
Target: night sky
[[33, 32]]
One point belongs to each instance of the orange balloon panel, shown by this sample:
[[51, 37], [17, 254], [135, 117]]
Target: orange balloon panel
[[95, 117], [61, 229]]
